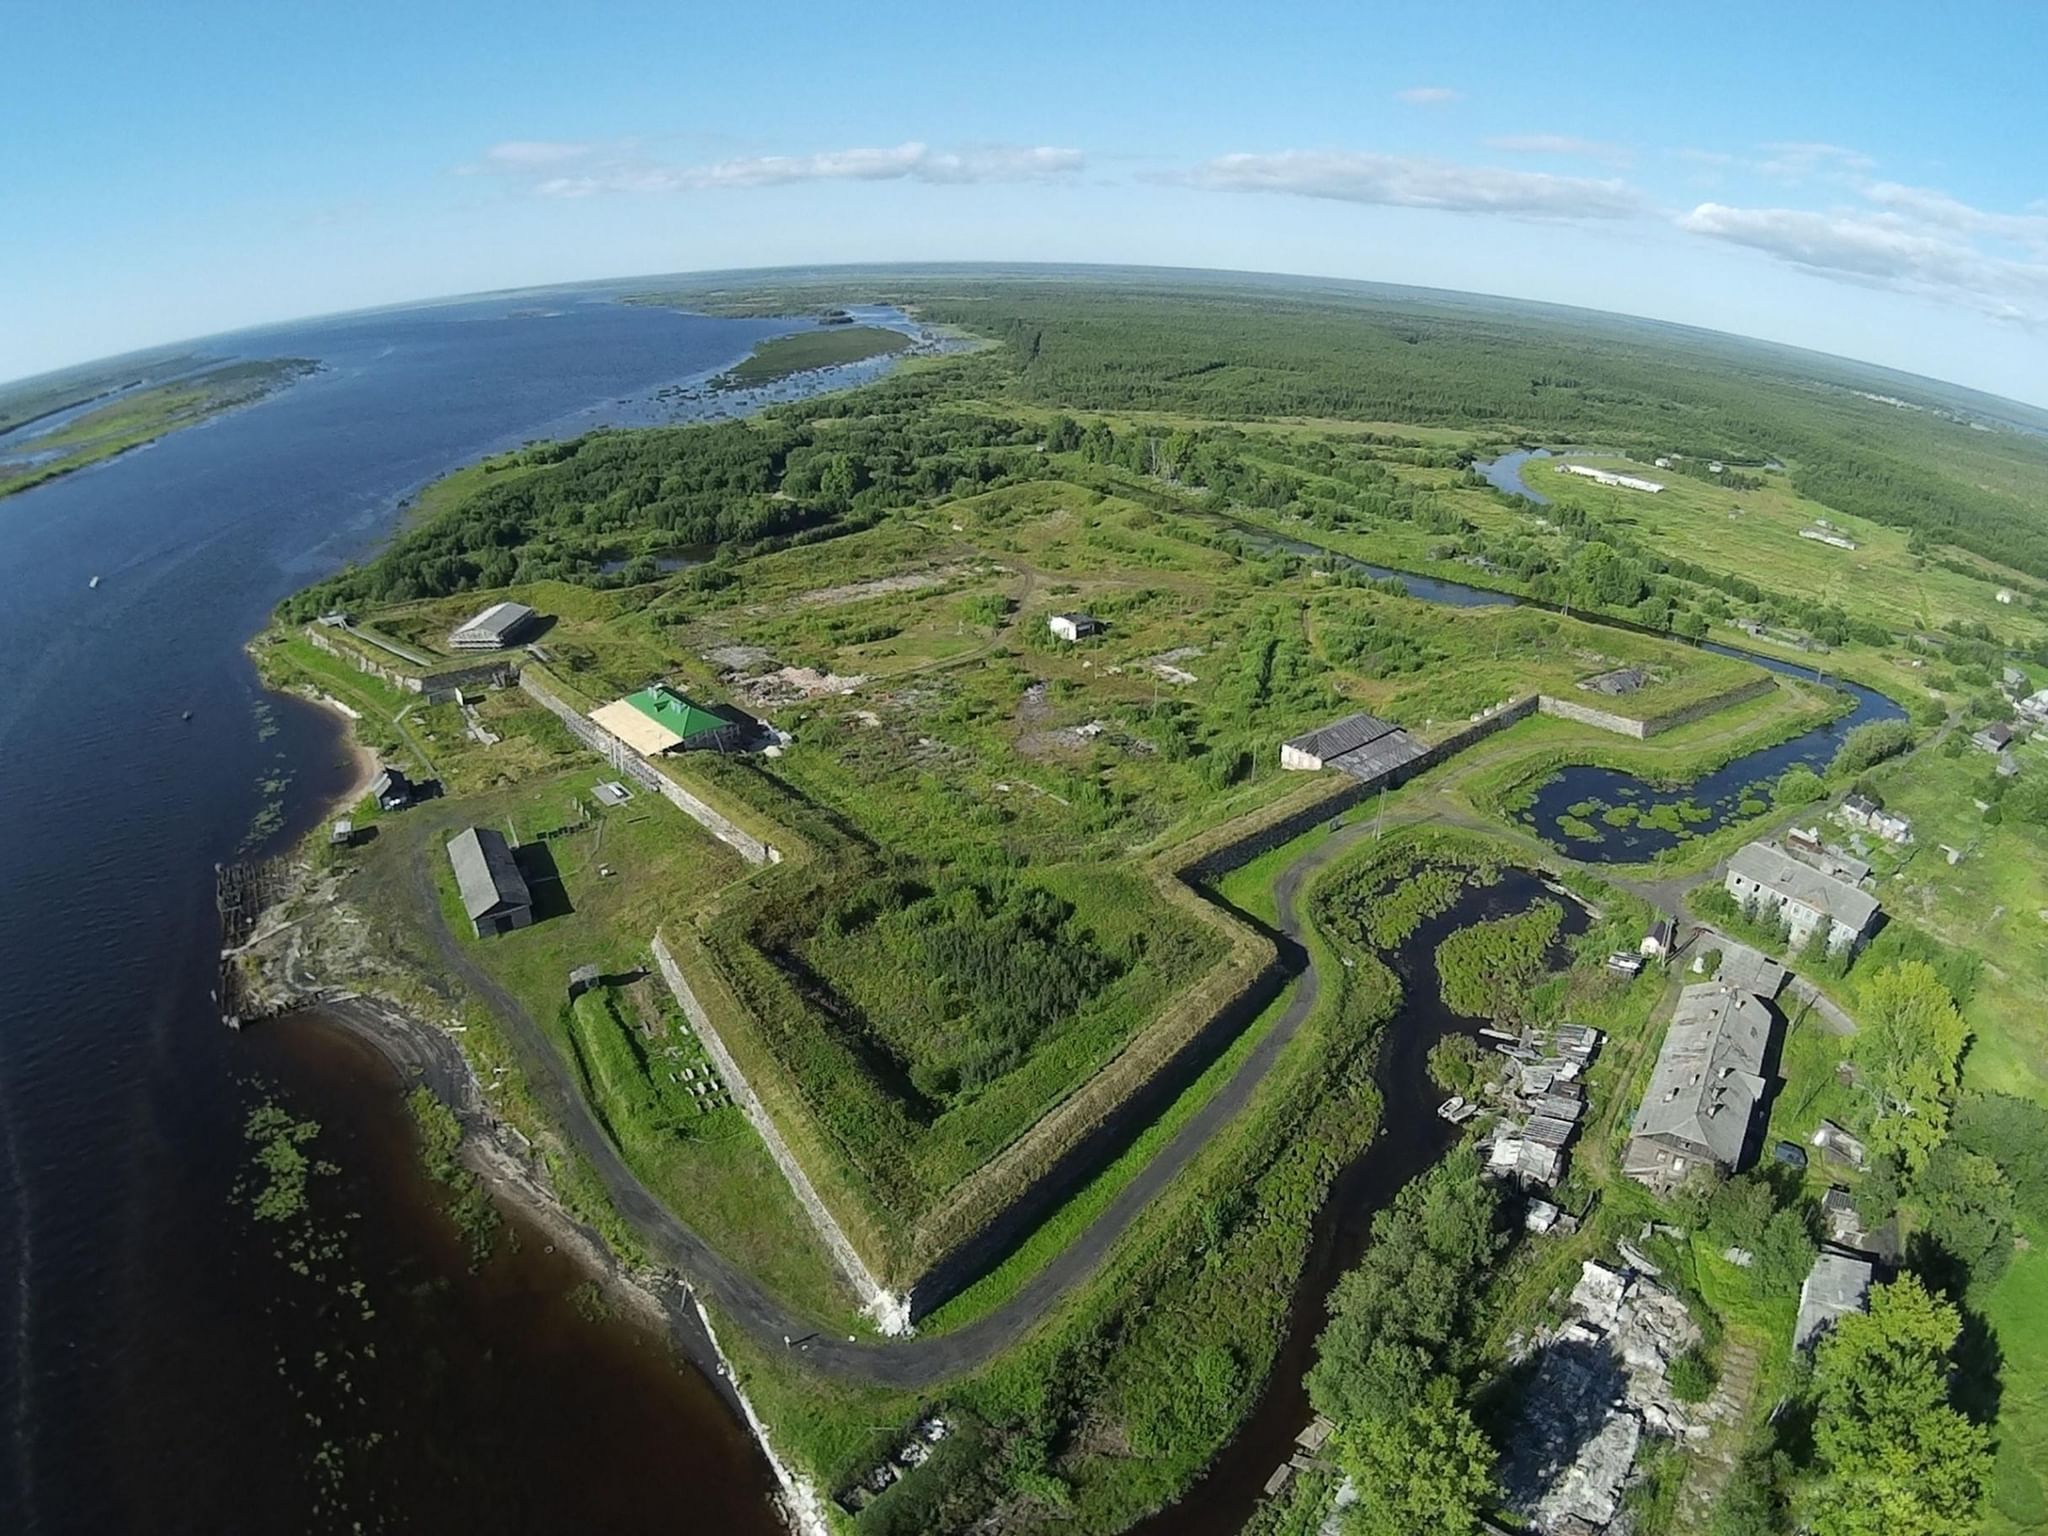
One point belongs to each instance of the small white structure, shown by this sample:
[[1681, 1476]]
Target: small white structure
[[1821, 533], [1609, 477], [1073, 626], [1994, 738], [2005, 596]]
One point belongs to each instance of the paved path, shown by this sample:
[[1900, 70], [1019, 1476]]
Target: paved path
[[916, 1362]]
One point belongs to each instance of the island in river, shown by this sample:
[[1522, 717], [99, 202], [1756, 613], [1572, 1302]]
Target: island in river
[[47, 431], [1088, 1151]]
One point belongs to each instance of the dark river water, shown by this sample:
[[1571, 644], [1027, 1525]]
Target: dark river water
[[161, 1367]]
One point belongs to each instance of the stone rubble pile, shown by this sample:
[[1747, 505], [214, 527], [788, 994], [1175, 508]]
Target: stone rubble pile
[[1601, 1383]]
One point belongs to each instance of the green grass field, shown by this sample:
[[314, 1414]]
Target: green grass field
[[825, 347], [711, 1169], [1756, 534]]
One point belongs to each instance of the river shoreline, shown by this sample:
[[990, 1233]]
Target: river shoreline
[[420, 1053], [363, 764]]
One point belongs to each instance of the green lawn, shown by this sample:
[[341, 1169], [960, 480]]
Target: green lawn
[[2018, 1311], [711, 1170]]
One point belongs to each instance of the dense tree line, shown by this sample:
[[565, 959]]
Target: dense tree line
[[597, 509], [1396, 1366], [1244, 352]]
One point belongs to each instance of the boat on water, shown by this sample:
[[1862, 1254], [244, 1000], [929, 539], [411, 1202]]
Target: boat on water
[[94, 582]]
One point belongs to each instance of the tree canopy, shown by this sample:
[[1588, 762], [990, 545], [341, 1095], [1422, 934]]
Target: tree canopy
[[1896, 1458]]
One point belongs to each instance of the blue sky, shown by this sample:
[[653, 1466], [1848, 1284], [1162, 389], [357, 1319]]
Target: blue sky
[[1867, 179]]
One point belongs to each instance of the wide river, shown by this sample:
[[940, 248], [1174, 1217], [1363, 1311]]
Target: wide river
[[162, 1368]]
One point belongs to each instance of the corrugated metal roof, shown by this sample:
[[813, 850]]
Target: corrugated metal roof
[[1339, 736], [1707, 1082], [486, 872], [496, 621]]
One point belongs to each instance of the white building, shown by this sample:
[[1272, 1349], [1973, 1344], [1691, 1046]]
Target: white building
[[2005, 595], [1821, 534], [494, 629], [1073, 626], [1609, 477], [1800, 896]]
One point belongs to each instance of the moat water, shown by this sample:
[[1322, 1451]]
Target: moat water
[[162, 1366], [1698, 805]]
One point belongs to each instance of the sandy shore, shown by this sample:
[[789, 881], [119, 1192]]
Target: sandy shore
[[363, 762]]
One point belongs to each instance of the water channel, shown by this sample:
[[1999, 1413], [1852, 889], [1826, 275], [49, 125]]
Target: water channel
[[1411, 1137]]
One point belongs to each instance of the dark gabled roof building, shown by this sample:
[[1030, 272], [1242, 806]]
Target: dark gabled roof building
[[392, 789], [1362, 745], [494, 893], [1706, 1088]]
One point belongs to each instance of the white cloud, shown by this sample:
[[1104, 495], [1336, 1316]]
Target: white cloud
[[905, 161], [584, 170], [1560, 144], [1883, 250], [527, 154], [1429, 95], [1801, 159], [1408, 181], [1938, 210]]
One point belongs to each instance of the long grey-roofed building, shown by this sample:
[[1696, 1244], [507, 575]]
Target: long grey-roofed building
[[494, 893], [1801, 896], [1362, 745], [1706, 1088], [496, 627]]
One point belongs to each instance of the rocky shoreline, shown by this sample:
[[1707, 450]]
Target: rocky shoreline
[[278, 966]]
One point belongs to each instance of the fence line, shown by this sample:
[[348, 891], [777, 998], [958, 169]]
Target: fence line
[[890, 1311]]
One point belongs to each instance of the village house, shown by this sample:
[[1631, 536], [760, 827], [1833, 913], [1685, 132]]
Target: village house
[[392, 790], [494, 894], [1705, 1089], [2034, 708], [1995, 737], [497, 627], [1656, 944], [1838, 1284], [1074, 626], [1779, 887], [1862, 811]]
